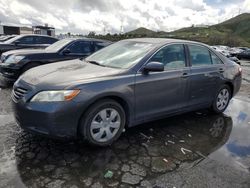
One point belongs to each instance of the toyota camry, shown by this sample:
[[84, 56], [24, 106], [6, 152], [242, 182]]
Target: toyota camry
[[125, 84]]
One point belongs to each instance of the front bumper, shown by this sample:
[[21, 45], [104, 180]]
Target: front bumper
[[10, 73], [55, 119]]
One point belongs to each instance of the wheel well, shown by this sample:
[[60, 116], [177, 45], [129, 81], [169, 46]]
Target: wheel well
[[120, 100], [231, 87]]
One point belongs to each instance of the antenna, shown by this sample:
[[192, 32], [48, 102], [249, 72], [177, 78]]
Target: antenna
[[121, 29]]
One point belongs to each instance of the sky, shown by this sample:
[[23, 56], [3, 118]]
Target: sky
[[115, 16]]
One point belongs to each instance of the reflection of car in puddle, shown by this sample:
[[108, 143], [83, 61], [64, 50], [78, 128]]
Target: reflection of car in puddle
[[142, 153], [217, 127]]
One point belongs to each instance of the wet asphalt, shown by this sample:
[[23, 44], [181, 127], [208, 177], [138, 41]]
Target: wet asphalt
[[197, 149]]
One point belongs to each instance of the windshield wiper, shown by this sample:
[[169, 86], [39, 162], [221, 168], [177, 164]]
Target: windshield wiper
[[95, 63]]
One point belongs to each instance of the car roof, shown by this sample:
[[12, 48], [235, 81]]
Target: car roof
[[87, 39], [24, 35], [162, 41]]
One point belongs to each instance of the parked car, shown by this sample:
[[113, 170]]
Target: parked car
[[16, 62], [6, 37], [127, 83], [226, 53], [243, 48], [244, 55], [223, 50], [26, 41], [234, 51], [235, 59]]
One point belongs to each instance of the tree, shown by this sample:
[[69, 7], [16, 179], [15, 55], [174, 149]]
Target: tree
[[91, 34]]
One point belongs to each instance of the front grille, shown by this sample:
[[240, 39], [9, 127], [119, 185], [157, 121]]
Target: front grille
[[18, 93]]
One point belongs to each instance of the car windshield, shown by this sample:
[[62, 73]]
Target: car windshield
[[13, 39], [121, 55], [58, 45]]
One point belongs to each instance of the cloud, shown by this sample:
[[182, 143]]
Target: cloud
[[82, 16]]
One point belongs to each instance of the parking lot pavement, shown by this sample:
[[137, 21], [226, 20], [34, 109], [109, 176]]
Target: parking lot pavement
[[192, 150]]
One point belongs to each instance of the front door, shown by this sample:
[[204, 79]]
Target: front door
[[158, 93]]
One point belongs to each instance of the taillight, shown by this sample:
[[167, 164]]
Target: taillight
[[240, 70]]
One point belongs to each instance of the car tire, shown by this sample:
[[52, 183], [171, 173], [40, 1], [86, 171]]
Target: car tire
[[29, 66], [98, 127], [222, 99]]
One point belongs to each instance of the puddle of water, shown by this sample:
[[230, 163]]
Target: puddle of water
[[142, 153], [236, 151]]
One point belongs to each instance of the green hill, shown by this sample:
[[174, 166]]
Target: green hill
[[239, 25], [141, 31], [233, 32]]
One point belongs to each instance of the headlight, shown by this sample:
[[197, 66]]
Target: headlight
[[14, 59], [55, 96]]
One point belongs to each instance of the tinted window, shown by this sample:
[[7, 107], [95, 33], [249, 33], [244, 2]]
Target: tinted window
[[45, 40], [215, 59], [199, 55], [172, 56], [80, 47], [26, 40]]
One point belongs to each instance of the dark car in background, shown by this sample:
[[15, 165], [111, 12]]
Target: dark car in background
[[6, 37], [26, 41], [244, 55], [14, 63], [127, 83]]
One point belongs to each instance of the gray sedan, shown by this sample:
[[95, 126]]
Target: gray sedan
[[125, 84]]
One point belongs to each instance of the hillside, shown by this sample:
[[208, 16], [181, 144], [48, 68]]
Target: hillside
[[142, 31], [239, 25], [233, 32]]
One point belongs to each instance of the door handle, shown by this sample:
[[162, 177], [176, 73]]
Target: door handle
[[185, 75], [221, 70]]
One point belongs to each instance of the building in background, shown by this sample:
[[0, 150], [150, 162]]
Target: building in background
[[19, 30], [44, 30]]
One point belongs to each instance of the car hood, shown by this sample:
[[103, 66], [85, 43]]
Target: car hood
[[24, 52], [4, 45], [67, 73]]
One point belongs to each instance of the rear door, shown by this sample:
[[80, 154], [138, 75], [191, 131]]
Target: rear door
[[206, 72], [159, 93]]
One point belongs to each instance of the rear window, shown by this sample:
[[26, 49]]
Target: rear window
[[100, 45]]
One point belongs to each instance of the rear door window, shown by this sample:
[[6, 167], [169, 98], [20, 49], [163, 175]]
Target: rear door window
[[45, 40], [26, 40], [199, 55], [80, 47]]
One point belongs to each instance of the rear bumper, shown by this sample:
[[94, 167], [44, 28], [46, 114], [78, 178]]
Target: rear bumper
[[237, 84]]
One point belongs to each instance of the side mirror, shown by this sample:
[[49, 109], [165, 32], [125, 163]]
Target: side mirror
[[66, 52], [16, 42], [154, 67]]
